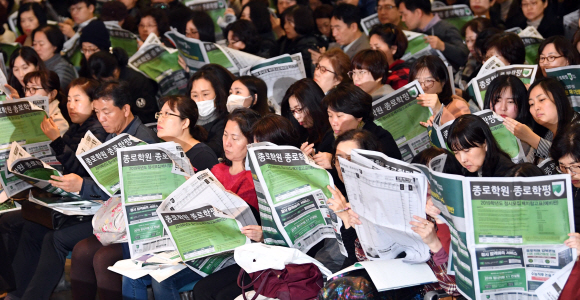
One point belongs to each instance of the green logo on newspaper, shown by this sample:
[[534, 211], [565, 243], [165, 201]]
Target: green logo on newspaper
[[558, 188], [571, 76], [413, 92], [527, 72]]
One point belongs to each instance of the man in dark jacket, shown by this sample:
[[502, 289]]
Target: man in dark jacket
[[441, 35], [113, 111], [39, 262]]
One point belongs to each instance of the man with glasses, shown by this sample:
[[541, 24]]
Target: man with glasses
[[388, 12], [82, 12]]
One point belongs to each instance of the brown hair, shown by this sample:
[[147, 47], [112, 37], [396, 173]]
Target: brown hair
[[340, 63]]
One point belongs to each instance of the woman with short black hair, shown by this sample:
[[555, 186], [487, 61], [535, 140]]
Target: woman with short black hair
[[369, 70], [48, 41], [508, 47], [348, 108], [556, 51]]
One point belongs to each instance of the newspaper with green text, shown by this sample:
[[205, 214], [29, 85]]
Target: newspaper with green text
[[399, 113], [292, 194], [148, 174], [569, 76]]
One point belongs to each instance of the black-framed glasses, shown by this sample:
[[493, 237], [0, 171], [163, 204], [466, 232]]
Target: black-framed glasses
[[571, 169], [164, 114], [323, 69], [550, 58], [32, 90]]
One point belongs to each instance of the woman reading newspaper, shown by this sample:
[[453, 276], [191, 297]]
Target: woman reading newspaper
[[175, 123], [566, 151], [433, 76], [431, 229], [551, 112], [476, 149]]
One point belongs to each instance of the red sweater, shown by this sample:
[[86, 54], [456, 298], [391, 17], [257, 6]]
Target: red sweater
[[240, 184]]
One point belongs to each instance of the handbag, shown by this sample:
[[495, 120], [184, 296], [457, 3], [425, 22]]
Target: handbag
[[109, 223], [294, 282], [279, 272]]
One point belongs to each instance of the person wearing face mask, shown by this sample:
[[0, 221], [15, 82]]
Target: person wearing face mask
[[249, 92], [474, 146], [551, 112], [211, 95], [556, 51]]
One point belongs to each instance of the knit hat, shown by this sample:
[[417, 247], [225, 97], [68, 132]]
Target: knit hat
[[96, 33]]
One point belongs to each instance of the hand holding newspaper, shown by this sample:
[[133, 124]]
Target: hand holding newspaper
[[100, 161], [148, 174], [386, 202], [507, 234], [34, 171], [204, 221], [292, 196]]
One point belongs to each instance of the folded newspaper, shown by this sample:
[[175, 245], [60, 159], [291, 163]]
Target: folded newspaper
[[292, 193], [204, 222], [159, 63], [148, 174], [526, 73], [20, 121], [34, 171], [399, 113], [507, 234], [100, 160], [506, 140], [66, 205], [569, 76], [532, 40]]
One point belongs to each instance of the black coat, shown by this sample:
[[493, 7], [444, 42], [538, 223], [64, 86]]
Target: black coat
[[551, 24], [499, 168], [300, 44], [65, 147], [142, 91], [388, 144], [215, 132]]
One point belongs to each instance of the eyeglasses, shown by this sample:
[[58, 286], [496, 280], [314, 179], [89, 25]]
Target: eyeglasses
[[335, 160], [297, 111], [529, 4], [548, 58], [77, 8], [427, 83], [384, 7], [150, 26], [359, 74], [573, 170], [323, 69], [164, 114], [32, 90], [90, 50]]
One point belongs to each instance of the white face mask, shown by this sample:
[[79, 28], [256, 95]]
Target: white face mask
[[235, 101], [205, 107]]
